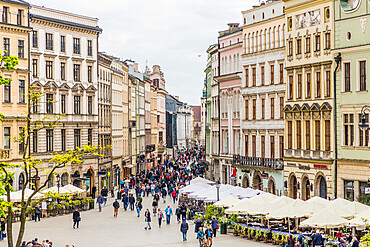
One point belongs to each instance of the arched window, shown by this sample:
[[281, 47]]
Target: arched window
[[225, 67], [230, 65], [283, 35], [261, 40], [256, 44], [278, 36], [249, 43], [265, 39], [64, 179], [269, 39], [252, 43], [274, 38], [21, 181], [246, 44], [235, 63], [51, 182]]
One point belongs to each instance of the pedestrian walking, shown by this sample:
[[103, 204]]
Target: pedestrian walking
[[125, 201], [2, 229], [184, 229], [104, 194], [290, 242], [214, 224], [174, 196], [160, 217], [355, 242], [76, 218], [208, 234], [155, 206], [38, 212], [93, 191], [200, 237], [198, 224], [99, 201], [147, 220], [164, 194], [131, 200], [138, 206], [178, 213], [183, 211], [169, 213], [115, 208], [317, 239]]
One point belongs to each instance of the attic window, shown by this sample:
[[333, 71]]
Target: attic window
[[254, 17], [273, 11], [245, 21], [263, 15]]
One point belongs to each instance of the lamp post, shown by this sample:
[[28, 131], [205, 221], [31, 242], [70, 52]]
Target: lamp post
[[218, 185], [364, 125], [58, 182]]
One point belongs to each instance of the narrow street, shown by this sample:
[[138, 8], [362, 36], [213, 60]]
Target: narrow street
[[102, 229]]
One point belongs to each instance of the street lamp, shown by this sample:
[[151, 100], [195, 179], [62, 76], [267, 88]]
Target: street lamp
[[218, 185], [58, 182], [364, 125]]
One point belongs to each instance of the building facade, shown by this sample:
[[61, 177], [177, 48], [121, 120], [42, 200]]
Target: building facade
[[309, 116], [198, 138]]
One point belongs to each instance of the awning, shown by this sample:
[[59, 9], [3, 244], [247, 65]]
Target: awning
[[129, 166]]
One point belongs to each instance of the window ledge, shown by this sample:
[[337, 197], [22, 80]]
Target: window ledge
[[22, 103], [348, 147], [362, 91], [8, 103]]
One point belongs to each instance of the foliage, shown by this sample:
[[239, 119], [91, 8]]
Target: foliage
[[365, 199], [365, 240]]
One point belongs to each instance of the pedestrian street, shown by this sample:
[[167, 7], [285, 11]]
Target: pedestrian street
[[102, 229]]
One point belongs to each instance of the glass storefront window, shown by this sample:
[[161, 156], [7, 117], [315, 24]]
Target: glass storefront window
[[349, 190]]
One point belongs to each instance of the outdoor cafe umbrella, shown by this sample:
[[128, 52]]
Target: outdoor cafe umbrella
[[227, 202], [72, 189], [325, 219]]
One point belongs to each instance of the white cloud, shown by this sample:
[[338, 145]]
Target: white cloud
[[171, 33]]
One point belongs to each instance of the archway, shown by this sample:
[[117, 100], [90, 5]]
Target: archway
[[245, 181], [306, 188], [293, 187], [64, 179], [76, 179], [90, 180], [21, 181], [271, 186], [321, 188], [257, 181]]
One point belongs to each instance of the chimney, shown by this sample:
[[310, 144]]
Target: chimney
[[136, 67]]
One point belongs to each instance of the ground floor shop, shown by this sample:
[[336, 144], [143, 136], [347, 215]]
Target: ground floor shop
[[221, 169], [354, 180], [306, 179]]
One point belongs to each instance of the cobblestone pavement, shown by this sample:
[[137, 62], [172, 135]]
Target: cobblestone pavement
[[102, 229]]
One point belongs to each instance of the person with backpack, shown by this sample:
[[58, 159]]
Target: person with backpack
[[184, 229], [147, 220], [99, 201], [169, 213], [104, 194], [138, 206], [116, 207], [76, 218], [214, 223], [160, 217], [178, 213], [131, 200], [174, 196]]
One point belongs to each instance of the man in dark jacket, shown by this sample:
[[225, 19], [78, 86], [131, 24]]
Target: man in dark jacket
[[76, 218], [317, 239], [198, 224], [38, 213], [104, 194], [116, 207], [2, 228], [214, 225], [184, 229], [178, 213], [131, 200], [125, 201], [183, 210]]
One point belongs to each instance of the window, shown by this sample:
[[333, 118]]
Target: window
[[363, 135], [77, 138], [77, 105], [272, 74], [308, 135], [7, 93], [21, 140], [6, 137], [246, 112], [290, 87], [299, 46], [160, 136], [327, 84], [89, 105], [246, 153], [20, 17], [254, 79], [290, 135], [49, 41], [254, 146], [34, 68], [327, 135], [299, 86], [262, 75], [281, 72], [20, 48], [308, 85], [363, 185], [363, 76], [281, 143], [76, 45], [263, 147], [35, 39], [63, 103], [318, 85], [89, 48], [63, 139], [6, 47], [349, 130], [22, 91], [34, 105], [62, 43], [49, 104], [49, 140], [317, 134], [89, 73], [34, 141], [5, 14], [281, 107], [49, 69], [272, 147], [246, 77], [290, 48], [347, 77], [317, 43], [63, 71], [263, 109], [299, 134], [327, 41], [272, 108], [349, 190], [76, 72], [254, 103], [89, 136], [308, 45]]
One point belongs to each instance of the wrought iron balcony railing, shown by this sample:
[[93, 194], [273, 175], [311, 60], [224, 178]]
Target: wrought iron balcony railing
[[260, 163]]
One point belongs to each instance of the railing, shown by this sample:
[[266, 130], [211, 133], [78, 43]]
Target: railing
[[4, 154], [262, 163]]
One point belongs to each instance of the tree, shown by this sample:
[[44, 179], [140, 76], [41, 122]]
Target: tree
[[29, 164]]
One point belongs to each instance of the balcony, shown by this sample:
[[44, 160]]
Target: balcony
[[4, 154], [258, 163]]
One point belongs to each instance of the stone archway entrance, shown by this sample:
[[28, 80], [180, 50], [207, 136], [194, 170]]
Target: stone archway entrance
[[321, 187], [271, 186], [293, 187], [257, 181], [306, 188], [245, 182]]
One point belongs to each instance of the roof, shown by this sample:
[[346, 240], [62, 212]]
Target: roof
[[20, 2], [197, 113]]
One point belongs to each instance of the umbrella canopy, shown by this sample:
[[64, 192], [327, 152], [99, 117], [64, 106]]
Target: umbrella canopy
[[201, 180], [54, 190], [227, 202], [16, 196], [193, 187], [269, 197], [287, 211], [253, 206], [325, 219], [72, 189], [358, 208], [361, 221], [316, 204]]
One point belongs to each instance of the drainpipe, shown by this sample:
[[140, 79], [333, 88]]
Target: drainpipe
[[338, 60]]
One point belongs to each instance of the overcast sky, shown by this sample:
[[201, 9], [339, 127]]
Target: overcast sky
[[171, 33]]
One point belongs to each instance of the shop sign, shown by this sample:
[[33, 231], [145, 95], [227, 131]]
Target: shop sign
[[367, 191], [264, 175], [304, 167], [320, 166]]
